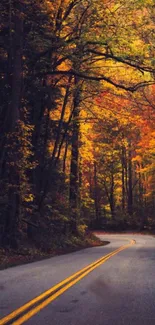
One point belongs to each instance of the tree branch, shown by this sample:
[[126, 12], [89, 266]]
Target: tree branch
[[131, 63], [101, 78]]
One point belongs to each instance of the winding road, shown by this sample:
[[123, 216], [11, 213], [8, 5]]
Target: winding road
[[106, 285]]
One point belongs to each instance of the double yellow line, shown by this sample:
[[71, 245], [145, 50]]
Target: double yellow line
[[25, 312]]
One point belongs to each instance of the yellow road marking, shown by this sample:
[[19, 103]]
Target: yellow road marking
[[46, 293], [78, 276]]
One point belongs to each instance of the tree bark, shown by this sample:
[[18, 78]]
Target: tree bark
[[130, 186], [123, 180], [65, 156], [111, 197], [74, 168], [12, 213], [97, 210], [58, 136]]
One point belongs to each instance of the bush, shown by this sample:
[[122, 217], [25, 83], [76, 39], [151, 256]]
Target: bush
[[82, 230]]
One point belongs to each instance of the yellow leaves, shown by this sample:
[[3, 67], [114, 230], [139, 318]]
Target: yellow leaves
[[29, 198], [82, 229], [137, 45], [138, 159], [152, 142], [65, 65], [49, 5], [148, 194]]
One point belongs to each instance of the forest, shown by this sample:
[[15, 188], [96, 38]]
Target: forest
[[77, 113]]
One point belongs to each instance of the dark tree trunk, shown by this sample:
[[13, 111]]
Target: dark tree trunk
[[126, 176], [59, 130], [74, 169], [141, 202], [130, 186], [64, 136], [111, 197], [96, 200], [60, 138], [65, 156], [90, 182], [123, 180], [12, 214], [14, 107]]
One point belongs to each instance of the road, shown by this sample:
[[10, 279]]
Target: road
[[119, 290]]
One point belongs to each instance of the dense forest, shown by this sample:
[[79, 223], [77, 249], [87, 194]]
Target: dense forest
[[77, 140]]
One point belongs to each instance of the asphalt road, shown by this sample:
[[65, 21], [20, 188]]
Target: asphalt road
[[121, 291]]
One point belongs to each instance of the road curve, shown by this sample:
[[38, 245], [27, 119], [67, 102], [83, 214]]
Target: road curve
[[120, 291]]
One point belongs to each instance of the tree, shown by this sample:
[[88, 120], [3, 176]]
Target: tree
[[70, 68]]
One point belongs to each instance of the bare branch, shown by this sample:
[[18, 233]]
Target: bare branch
[[102, 78], [131, 62]]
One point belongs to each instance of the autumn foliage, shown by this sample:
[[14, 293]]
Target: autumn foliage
[[77, 118]]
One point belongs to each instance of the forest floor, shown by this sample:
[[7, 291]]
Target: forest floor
[[29, 254]]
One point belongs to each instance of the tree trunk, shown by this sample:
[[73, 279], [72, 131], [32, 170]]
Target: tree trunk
[[97, 210], [123, 180], [59, 130], [141, 208], [12, 214], [130, 188], [14, 112], [74, 169], [126, 176], [65, 156], [60, 138], [111, 197]]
